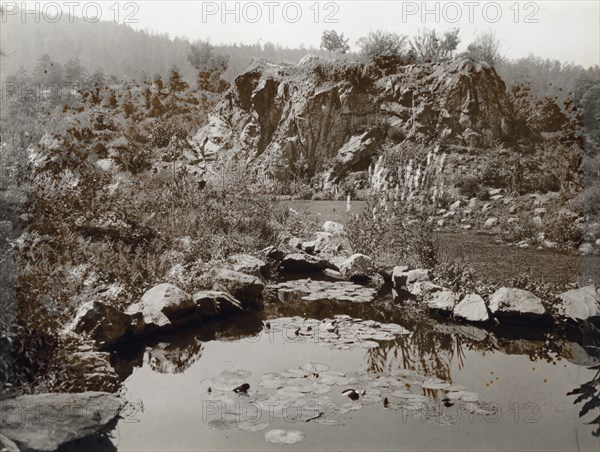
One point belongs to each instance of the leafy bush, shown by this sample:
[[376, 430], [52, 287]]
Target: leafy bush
[[469, 186], [380, 43], [392, 235], [562, 230], [523, 229]]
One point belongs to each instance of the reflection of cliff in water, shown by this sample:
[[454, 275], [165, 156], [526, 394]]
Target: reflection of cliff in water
[[435, 343], [177, 351]]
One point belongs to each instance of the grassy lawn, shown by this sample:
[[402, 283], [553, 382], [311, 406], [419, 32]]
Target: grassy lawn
[[499, 262]]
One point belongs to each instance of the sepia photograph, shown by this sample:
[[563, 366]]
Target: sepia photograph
[[299, 225]]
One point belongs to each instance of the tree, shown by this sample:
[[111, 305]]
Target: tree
[[382, 44], [176, 83], [48, 72], [333, 42], [209, 65], [97, 79], [430, 46], [486, 48], [74, 72], [202, 56]]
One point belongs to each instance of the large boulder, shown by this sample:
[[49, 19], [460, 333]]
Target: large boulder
[[210, 303], [418, 283], [357, 266], [102, 322], [416, 276], [472, 308], [423, 289], [162, 305], [245, 263], [246, 288], [273, 253], [510, 302], [330, 245], [332, 227], [443, 300], [580, 304], [399, 276], [6, 445], [43, 422]]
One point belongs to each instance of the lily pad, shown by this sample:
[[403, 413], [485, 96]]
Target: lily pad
[[278, 436], [314, 367]]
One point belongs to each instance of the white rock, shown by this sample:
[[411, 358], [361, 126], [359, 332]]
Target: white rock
[[586, 249], [161, 304], [333, 228], [491, 222], [580, 304], [356, 265], [443, 300], [472, 308], [516, 302]]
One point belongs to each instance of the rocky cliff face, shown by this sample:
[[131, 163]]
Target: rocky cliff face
[[329, 119]]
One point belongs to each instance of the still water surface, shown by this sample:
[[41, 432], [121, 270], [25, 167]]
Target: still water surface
[[524, 379]]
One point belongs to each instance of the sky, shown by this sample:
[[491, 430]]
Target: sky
[[568, 31]]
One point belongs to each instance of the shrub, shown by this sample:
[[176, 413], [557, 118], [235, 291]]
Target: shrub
[[393, 235], [524, 229], [468, 186]]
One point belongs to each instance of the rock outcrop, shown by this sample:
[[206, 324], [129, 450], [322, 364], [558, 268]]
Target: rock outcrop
[[162, 304], [245, 263], [104, 323], [246, 288], [333, 117]]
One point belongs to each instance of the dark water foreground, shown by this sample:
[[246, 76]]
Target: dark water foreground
[[423, 383]]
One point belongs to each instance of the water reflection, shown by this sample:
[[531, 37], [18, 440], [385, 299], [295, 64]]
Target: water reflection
[[177, 351], [589, 392], [433, 348]]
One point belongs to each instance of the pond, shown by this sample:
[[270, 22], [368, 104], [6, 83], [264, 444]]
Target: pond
[[422, 383]]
